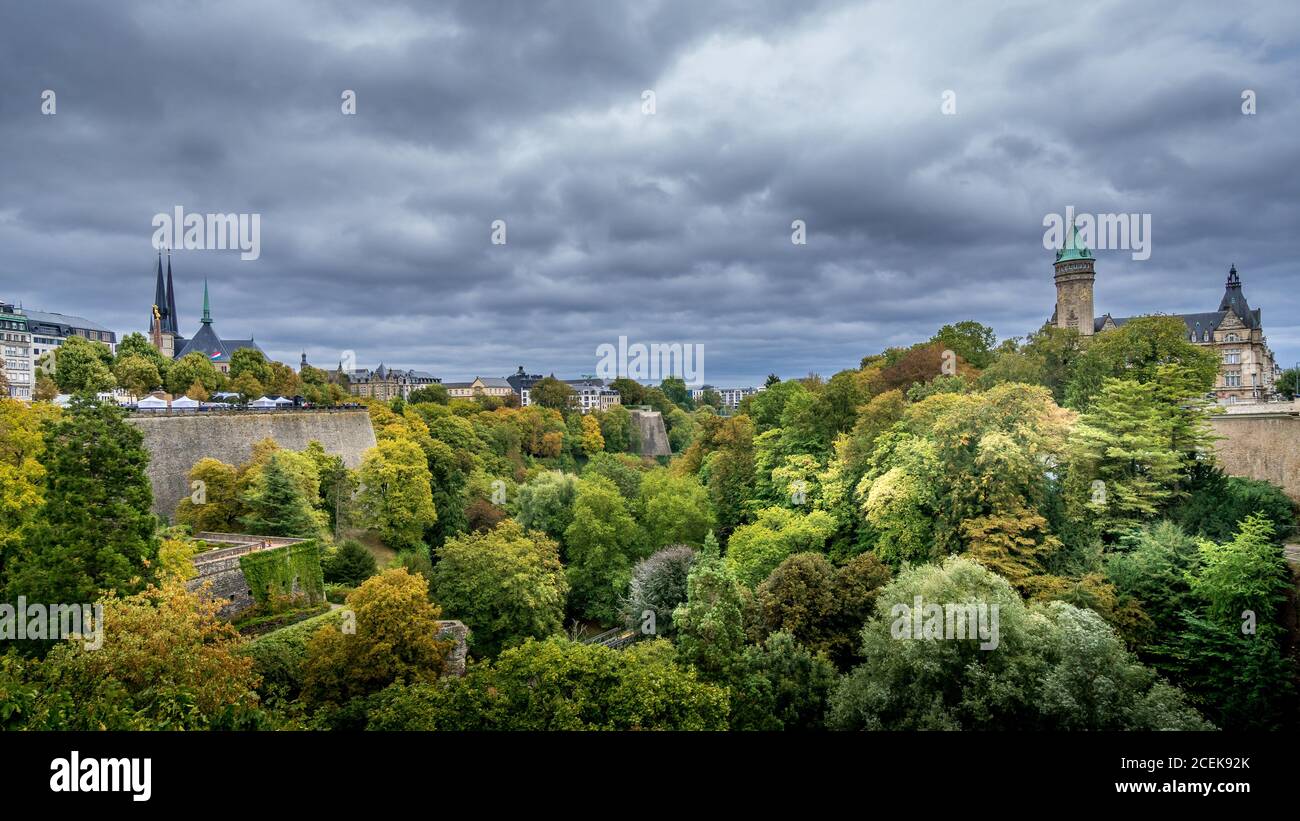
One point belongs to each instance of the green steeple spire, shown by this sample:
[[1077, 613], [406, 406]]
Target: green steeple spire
[[1073, 247], [207, 312]]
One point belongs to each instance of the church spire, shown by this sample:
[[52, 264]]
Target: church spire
[[207, 312], [172, 326], [159, 298]]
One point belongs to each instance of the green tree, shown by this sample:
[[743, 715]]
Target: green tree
[[1055, 667], [550, 392], [674, 509], [94, 530], [970, 340], [350, 564], [561, 685], [710, 624], [545, 503], [191, 368], [82, 365], [755, 550], [602, 543], [506, 585], [1146, 349], [674, 387], [782, 686], [275, 505], [252, 362], [396, 498], [136, 374], [214, 503], [1122, 442]]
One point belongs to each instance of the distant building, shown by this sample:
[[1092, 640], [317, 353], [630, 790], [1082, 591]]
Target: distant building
[[588, 394], [731, 397], [16, 345], [479, 386], [521, 383], [593, 394], [385, 383], [48, 331], [164, 327], [1247, 369]]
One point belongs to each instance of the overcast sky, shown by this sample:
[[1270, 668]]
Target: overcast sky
[[666, 227]]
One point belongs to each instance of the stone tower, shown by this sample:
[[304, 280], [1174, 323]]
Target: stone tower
[[1074, 277]]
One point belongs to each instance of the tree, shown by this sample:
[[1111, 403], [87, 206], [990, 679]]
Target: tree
[[252, 362], [247, 386], [506, 585], [561, 685], [783, 686], [710, 624], [94, 530], [430, 394], [970, 340], [592, 440], [190, 368], [616, 429], [630, 392], [624, 470], [658, 586], [822, 607], [1216, 503], [22, 446], [1288, 385], [1046, 667], [396, 640], [550, 392], [136, 374], [674, 509], [396, 497], [545, 503], [1123, 443], [82, 365], [602, 543], [275, 505], [167, 662], [214, 504], [350, 564], [674, 387], [1146, 349], [755, 550]]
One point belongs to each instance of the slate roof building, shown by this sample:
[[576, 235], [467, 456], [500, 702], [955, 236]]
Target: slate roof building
[[386, 383], [164, 326]]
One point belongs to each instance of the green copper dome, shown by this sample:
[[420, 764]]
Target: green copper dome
[[1073, 248]]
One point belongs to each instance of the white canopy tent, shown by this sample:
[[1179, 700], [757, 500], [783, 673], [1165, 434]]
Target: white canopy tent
[[264, 402], [152, 403], [185, 403]]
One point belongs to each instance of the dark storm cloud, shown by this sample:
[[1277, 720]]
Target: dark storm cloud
[[671, 227]]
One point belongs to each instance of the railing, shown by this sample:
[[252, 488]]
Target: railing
[[237, 411], [617, 638]]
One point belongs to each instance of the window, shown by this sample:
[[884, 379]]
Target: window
[[1232, 357], [1231, 338], [1232, 379]]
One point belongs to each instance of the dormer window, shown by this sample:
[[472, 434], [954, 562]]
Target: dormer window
[[1231, 338]]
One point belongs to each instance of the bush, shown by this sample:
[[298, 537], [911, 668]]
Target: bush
[[278, 657]]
